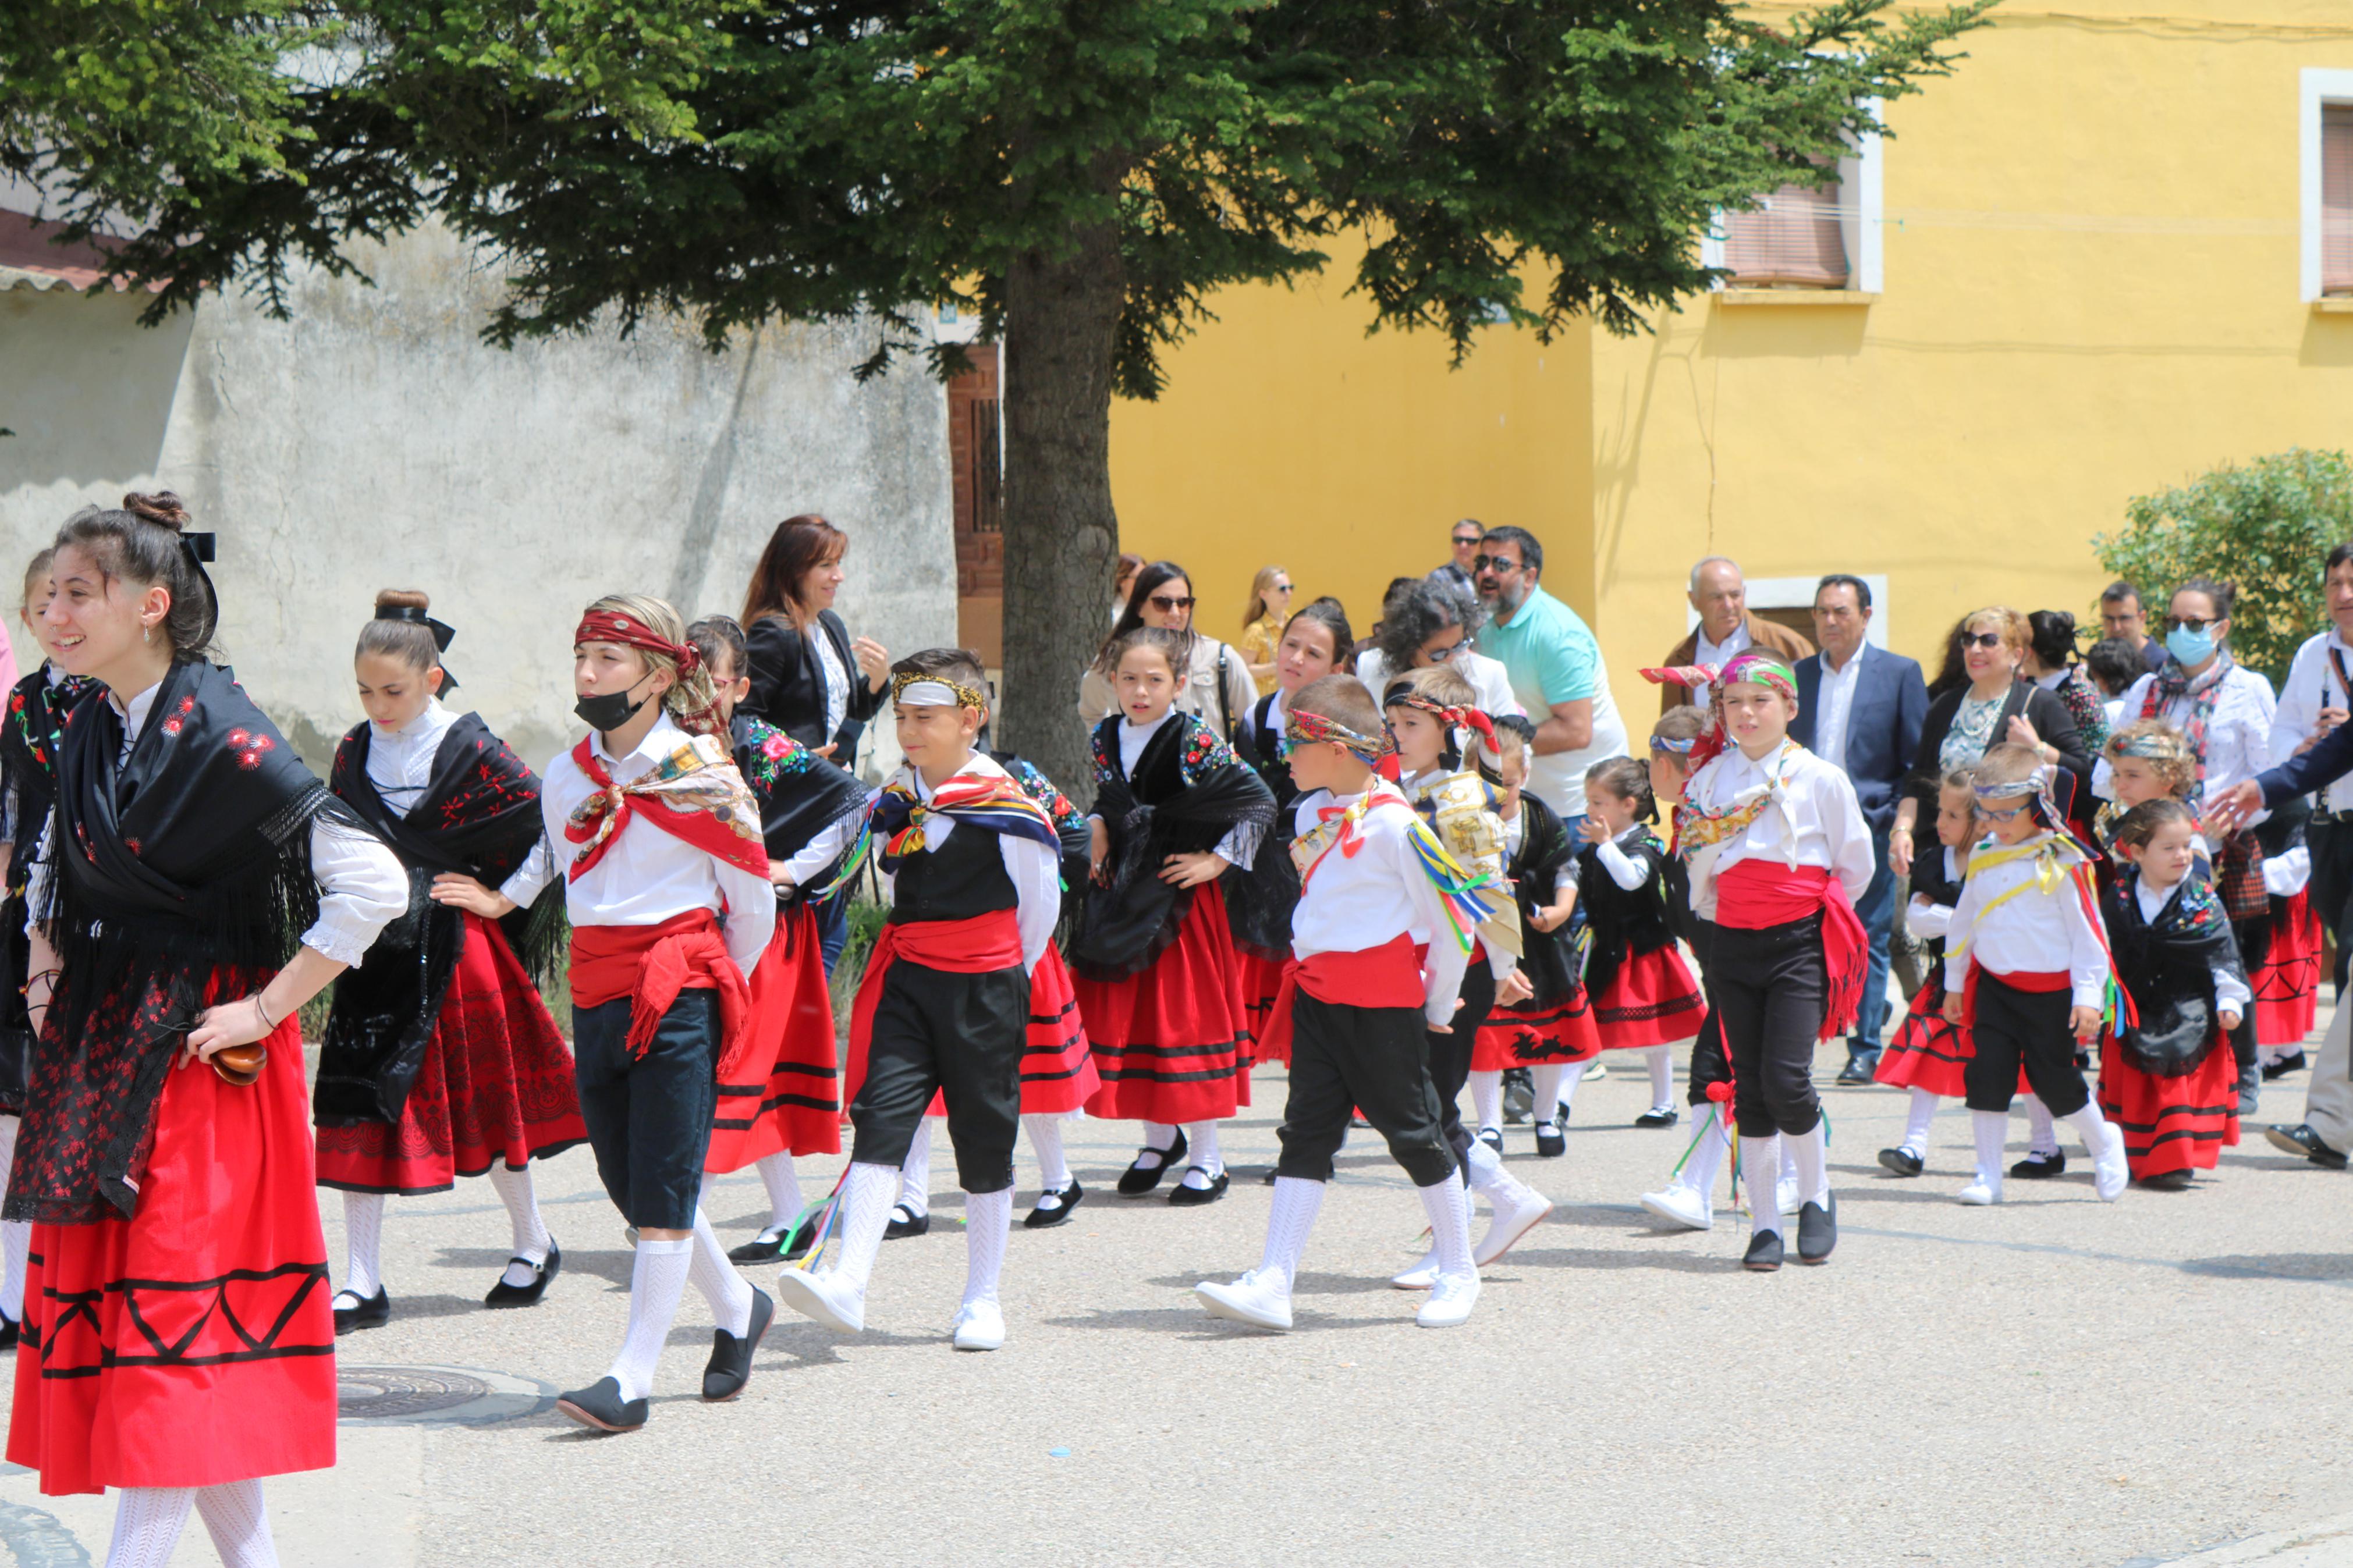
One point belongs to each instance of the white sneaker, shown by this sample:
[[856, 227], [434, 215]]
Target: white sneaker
[[1522, 1213], [1420, 1277], [1450, 1303], [1263, 1303], [1981, 1194], [825, 1296], [1680, 1206], [979, 1326], [1786, 1193], [2110, 1173]]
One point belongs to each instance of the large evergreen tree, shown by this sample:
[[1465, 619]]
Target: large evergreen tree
[[1085, 173]]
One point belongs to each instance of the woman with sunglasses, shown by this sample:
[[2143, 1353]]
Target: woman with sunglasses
[[1262, 624], [2224, 711], [1216, 688], [1996, 704], [1424, 623]]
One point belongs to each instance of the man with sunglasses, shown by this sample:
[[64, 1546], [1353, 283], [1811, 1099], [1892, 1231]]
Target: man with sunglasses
[[1719, 598], [1458, 573], [1555, 669]]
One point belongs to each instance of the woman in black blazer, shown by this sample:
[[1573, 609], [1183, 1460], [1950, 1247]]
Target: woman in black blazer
[[1996, 704], [809, 678]]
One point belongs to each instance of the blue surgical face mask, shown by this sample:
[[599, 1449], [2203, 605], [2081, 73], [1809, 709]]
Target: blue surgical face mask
[[2189, 648]]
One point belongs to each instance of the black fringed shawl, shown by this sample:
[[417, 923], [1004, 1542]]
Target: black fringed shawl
[[1623, 920], [1070, 826], [1259, 907], [1548, 958], [800, 794], [2167, 966], [1188, 791], [29, 735], [479, 815], [188, 862]]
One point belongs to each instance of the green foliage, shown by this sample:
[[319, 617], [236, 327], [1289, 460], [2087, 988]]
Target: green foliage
[[2265, 526], [866, 917]]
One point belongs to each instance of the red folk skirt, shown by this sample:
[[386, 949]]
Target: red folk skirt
[[782, 1099], [1533, 1033], [1261, 984], [1168, 1042], [2287, 983], [191, 1344], [2171, 1124], [1651, 1001], [496, 1084], [1927, 1052]]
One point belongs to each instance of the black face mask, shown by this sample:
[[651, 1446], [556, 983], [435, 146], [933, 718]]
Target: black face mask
[[608, 711]]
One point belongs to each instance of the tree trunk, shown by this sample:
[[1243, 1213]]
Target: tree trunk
[[1061, 318]]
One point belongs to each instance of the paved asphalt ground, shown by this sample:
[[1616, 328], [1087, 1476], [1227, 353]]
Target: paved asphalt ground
[[2053, 1382]]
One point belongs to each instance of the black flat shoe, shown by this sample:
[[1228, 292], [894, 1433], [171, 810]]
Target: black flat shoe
[[1493, 1137], [2039, 1167], [543, 1275], [905, 1222], [1666, 1118], [600, 1405], [1140, 1178], [1044, 1218], [2284, 1066], [730, 1366], [1764, 1253], [2167, 1182], [1817, 1231], [788, 1246], [1186, 1198], [1903, 1162], [1860, 1065], [373, 1312], [2303, 1140], [1550, 1143], [11, 1330]]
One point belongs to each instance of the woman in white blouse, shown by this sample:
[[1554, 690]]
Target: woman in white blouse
[[1218, 688], [1425, 624]]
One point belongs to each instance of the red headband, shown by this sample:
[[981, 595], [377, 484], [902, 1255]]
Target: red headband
[[611, 626]]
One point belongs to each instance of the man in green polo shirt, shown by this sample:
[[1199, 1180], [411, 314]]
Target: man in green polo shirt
[[1554, 666]]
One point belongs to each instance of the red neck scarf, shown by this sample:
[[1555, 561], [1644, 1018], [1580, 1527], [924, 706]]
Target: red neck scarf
[[694, 794]]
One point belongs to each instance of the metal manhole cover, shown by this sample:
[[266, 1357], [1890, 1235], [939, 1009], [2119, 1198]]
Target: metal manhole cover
[[436, 1395]]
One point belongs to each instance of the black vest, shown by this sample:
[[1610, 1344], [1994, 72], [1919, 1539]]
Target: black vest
[[963, 877]]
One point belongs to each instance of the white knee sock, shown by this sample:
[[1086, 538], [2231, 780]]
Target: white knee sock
[[1810, 1152], [1544, 1083], [987, 1221], [2041, 1135], [1045, 1143], [1296, 1203], [147, 1524], [1486, 1173], [1760, 1167], [915, 1174], [1915, 1130], [1989, 1128], [865, 1214], [1661, 1060], [2091, 1127], [657, 1280], [729, 1293], [1564, 1091], [1201, 1153], [1706, 1158], [784, 1185], [1448, 1204], [531, 1238], [363, 1230], [234, 1516], [16, 1243], [1487, 1099]]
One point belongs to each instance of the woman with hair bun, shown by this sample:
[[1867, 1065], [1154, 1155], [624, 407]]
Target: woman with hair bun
[[197, 886], [440, 1061]]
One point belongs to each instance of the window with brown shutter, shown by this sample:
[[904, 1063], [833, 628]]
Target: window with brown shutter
[[1794, 240], [2336, 198]]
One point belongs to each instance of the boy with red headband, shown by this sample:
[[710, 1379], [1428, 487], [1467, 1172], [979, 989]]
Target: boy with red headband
[[1779, 851], [944, 1008], [666, 879], [1382, 931]]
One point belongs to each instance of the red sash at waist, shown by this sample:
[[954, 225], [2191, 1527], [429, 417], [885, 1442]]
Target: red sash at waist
[[2037, 980], [980, 945], [1757, 894], [651, 964], [1389, 975]]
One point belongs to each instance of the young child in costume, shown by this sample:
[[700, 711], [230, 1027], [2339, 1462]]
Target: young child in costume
[[440, 1058], [1552, 1026], [1159, 981], [666, 879], [2028, 901], [1375, 887], [2167, 1080], [1645, 998], [945, 1002], [1929, 1054], [2285, 978], [785, 1101], [1425, 710], [1779, 852]]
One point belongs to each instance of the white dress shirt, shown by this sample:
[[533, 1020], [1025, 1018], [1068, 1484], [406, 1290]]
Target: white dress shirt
[[1814, 821], [1719, 654], [646, 875], [400, 765], [1624, 869], [1239, 846], [2032, 933], [1929, 920], [1487, 678], [2231, 993], [1834, 706], [1355, 903], [2238, 734], [2286, 875], [2312, 684]]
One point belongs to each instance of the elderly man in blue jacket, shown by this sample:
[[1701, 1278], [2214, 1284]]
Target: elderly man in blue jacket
[[1859, 709]]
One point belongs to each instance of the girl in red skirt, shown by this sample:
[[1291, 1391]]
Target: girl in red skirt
[[1159, 983], [1645, 998], [785, 1099], [1930, 1051], [440, 1058], [2286, 982], [197, 885], [2168, 1080]]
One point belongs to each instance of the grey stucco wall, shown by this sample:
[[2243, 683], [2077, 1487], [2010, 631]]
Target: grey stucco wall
[[372, 441]]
